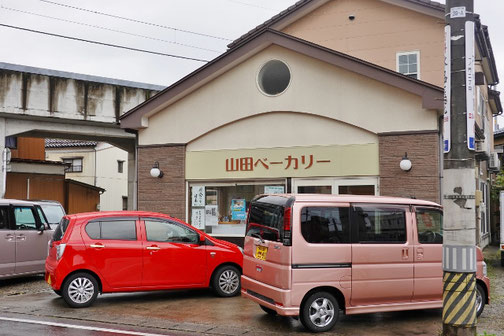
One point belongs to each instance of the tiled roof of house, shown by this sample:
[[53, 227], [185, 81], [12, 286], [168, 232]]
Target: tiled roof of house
[[301, 3], [62, 143]]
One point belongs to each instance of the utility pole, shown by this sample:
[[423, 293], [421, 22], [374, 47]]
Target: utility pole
[[459, 232]]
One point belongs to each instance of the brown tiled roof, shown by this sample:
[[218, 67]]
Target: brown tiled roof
[[57, 163], [298, 5], [62, 143]]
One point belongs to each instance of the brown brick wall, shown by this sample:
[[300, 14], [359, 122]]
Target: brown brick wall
[[166, 194], [422, 181]]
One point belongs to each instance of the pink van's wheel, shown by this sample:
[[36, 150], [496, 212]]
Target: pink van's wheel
[[319, 312], [480, 299]]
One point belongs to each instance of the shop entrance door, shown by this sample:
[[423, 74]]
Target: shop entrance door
[[336, 186]]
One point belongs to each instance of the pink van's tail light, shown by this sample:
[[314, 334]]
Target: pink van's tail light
[[287, 219], [287, 241]]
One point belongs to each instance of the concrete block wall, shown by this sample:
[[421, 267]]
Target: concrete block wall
[[167, 194], [423, 180]]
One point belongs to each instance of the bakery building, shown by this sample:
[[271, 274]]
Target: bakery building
[[280, 114], [328, 96]]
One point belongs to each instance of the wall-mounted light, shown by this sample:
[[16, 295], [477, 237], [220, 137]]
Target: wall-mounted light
[[155, 171], [405, 163]]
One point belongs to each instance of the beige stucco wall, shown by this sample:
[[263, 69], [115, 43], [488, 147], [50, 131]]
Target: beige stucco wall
[[108, 177], [88, 162], [378, 32], [316, 89], [283, 129]]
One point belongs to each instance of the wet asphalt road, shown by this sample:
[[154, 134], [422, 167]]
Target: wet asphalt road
[[200, 312]]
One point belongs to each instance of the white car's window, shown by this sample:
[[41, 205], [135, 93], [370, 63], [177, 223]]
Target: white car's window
[[53, 212]]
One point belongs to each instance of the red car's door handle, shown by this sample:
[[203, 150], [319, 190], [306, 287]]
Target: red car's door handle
[[153, 248], [97, 245]]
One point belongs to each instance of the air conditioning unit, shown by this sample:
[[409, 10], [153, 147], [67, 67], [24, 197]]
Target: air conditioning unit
[[494, 162]]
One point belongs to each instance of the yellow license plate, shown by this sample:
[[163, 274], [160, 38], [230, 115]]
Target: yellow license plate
[[261, 252]]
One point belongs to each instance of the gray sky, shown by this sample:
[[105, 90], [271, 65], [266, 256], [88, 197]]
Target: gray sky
[[227, 19]]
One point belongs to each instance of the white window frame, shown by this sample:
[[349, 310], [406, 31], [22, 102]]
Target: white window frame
[[417, 53], [336, 182], [71, 168]]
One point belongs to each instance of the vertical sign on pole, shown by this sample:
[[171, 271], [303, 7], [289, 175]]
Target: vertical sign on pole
[[470, 82], [447, 92]]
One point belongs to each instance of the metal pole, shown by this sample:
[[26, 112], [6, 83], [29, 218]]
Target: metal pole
[[459, 249]]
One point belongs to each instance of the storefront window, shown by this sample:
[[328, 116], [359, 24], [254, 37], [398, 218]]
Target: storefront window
[[222, 209]]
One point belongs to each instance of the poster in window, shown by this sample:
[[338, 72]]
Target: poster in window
[[198, 218], [198, 196], [238, 209], [211, 215], [274, 189]]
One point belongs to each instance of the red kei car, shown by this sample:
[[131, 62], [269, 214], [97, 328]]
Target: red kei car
[[105, 252]]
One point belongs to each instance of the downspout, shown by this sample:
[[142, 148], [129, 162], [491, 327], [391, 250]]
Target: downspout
[[95, 154], [4, 172], [441, 159]]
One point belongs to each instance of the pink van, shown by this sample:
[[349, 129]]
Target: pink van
[[314, 255]]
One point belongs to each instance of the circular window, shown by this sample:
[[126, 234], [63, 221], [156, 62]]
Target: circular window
[[274, 77]]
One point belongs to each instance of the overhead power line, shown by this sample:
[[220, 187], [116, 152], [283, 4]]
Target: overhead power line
[[252, 5], [104, 44], [134, 20], [105, 28]]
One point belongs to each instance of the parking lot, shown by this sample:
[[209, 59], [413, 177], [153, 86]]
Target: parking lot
[[200, 312]]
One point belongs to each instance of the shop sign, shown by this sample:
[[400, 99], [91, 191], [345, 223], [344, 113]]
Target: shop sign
[[290, 162], [294, 162], [470, 83], [447, 92]]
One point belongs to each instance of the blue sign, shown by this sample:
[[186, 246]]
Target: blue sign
[[238, 209]]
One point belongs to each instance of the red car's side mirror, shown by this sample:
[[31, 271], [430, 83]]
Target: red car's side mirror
[[202, 238]]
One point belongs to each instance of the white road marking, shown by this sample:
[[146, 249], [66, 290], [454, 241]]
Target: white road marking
[[73, 326]]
